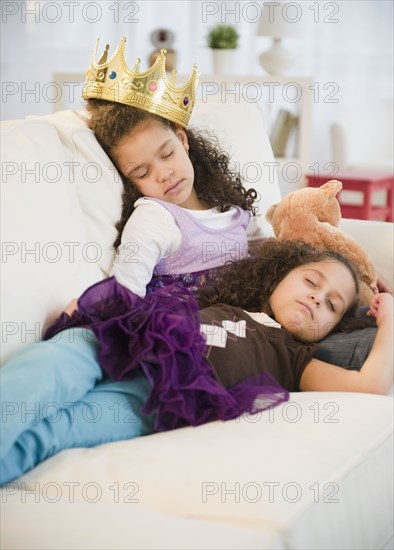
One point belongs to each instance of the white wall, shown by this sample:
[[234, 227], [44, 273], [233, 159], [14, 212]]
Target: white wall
[[347, 48]]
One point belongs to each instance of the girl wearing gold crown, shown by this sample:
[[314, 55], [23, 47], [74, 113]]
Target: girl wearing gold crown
[[185, 213]]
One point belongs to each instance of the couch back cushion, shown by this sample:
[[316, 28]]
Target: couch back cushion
[[46, 256], [95, 181]]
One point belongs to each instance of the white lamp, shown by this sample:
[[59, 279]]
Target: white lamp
[[279, 22]]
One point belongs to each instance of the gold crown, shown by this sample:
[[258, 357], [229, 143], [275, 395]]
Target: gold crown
[[151, 90]]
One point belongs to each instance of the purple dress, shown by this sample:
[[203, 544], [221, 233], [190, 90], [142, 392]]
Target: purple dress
[[202, 250], [160, 335]]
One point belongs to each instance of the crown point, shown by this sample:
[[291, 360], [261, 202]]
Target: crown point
[[104, 57], [136, 66]]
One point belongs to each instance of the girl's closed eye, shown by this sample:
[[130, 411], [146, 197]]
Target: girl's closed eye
[[311, 282], [331, 306], [166, 156], [141, 176]]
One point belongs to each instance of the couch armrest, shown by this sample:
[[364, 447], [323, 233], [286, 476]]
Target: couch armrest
[[377, 239]]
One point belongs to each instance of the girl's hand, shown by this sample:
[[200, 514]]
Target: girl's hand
[[381, 307], [71, 307]]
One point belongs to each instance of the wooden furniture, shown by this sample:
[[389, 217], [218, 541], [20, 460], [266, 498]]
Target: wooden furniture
[[366, 183]]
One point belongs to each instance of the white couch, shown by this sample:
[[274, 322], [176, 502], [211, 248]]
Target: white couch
[[313, 473]]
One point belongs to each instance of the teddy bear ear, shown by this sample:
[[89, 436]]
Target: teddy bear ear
[[332, 187], [270, 212]]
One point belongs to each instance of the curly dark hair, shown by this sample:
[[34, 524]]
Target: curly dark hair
[[250, 282], [214, 182]]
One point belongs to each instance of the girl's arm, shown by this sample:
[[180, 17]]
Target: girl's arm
[[376, 374], [149, 235]]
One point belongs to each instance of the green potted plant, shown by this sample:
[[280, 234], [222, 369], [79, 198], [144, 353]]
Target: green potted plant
[[223, 41], [223, 37]]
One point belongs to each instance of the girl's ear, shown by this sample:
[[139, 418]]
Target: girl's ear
[[180, 132]]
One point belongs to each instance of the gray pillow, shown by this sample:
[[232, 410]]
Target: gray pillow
[[347, 349]]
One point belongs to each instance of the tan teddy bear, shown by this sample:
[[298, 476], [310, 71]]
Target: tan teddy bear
[[312, 215]]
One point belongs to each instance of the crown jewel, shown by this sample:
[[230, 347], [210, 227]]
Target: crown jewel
[[151, 90]]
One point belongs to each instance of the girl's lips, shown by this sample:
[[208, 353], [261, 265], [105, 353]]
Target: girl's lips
[[308, 308], [173, 188]]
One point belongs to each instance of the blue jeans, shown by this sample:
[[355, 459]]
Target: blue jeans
[[53, 397]]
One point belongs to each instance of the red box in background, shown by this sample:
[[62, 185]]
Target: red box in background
[[366, 183]]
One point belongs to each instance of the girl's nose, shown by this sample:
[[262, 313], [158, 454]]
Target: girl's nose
[[165, 174], [315, 298]]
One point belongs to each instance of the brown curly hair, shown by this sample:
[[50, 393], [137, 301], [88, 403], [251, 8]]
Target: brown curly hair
[[250, 282], [214, 182]]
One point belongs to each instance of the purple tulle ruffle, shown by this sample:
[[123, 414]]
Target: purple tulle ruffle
[[160, 334]]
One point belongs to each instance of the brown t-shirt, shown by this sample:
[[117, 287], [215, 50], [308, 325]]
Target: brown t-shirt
[[239, 347]]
